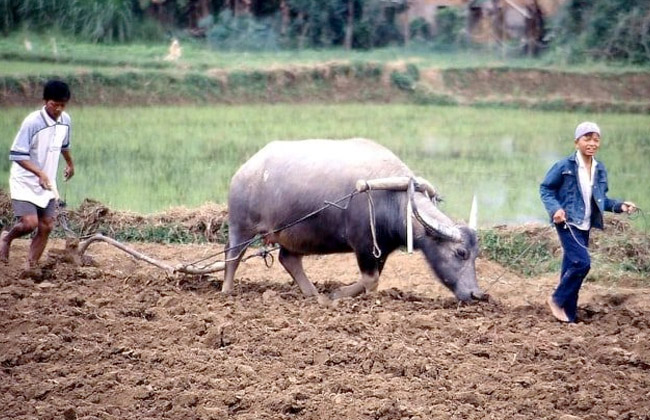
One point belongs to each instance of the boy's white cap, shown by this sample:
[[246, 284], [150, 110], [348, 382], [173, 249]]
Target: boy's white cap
[[585, 128]]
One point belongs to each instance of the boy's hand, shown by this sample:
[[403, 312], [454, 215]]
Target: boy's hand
[[44, 181], [559, 216], [628, 207], [68, 172]]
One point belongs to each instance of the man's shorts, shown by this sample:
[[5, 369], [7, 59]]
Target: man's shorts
[[25, 208]]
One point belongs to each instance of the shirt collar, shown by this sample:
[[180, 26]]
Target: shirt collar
[[581, 162], [46, 117]]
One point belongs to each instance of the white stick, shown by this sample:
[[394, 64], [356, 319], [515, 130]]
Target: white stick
[[409, 226], [473, 215]]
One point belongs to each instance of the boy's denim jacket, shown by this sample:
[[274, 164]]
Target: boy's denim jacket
[[561, 190]]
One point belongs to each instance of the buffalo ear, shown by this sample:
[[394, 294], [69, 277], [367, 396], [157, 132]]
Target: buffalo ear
[[473, 215]]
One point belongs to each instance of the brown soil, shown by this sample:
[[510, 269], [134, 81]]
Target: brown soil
[[120, 340]]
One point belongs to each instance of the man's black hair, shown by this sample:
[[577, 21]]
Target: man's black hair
[[56, 90]]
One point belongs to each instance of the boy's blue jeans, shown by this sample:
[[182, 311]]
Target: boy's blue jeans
[[575, 266]]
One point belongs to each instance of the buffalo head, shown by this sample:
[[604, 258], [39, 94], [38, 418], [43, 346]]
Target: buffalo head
[[450, 249]]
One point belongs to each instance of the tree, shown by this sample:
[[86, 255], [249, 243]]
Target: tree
[[349, 28], [605, 29]]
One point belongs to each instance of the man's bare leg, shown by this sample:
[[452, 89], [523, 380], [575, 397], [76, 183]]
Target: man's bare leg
[[39, 241], [25, 225]]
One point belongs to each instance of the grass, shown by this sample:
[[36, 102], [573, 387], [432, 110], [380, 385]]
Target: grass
[[75, 56], [147, 159], [619, 254], [527, 254]]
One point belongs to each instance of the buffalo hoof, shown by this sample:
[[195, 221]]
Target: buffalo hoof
[[480, 296], [324, 300]]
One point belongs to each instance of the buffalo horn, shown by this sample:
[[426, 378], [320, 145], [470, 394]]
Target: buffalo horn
[[473, 214], [434, 227]]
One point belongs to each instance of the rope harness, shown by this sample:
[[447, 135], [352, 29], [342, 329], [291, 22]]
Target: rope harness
[[408, 184], [245, 244]]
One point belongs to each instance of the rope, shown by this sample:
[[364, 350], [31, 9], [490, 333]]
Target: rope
[[376, 252], [246, 244], [62, 217], [568, 226], [640, 213]]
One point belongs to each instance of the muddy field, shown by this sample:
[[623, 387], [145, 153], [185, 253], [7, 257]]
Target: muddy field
[[119, 340]]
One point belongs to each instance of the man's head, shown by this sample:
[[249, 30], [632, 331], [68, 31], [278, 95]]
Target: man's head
[[56, 95], [585, 128], [587, 138]]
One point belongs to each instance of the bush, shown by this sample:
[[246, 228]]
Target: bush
[[243, 33], [450, 29], [149, 30], [406, 80], [95, 20], [614, 30], [376, 27], [420, 29]]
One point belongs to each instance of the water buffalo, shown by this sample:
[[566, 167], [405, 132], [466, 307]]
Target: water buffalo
[[287, 180]]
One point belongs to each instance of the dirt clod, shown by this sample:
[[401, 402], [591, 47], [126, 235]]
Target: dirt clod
[[122, 340]]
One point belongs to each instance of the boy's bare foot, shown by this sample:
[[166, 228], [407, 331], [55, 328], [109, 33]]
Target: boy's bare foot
[[32, 271], [4, 247], [557, 311]]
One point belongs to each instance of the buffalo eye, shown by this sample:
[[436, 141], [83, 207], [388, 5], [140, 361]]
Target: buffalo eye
[[462, 253]]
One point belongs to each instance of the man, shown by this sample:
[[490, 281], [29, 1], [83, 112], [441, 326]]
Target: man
[[43, 137], [574, 193]]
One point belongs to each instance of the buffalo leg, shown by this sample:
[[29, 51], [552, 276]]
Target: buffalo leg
[[228, 280], [370, 269], [233, 258], [368, 283], [293, 264]]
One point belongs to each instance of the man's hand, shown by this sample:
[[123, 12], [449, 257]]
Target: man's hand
[[559, 216], [44, 181], [68, 172], [628, 207]]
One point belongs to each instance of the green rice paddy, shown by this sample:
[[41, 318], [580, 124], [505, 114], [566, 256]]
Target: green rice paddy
[[147, 159]]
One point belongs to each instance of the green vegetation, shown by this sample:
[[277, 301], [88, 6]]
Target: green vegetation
[[610, 30], [169, 234], [77, 53], [199, 123], [525, 252], [619, 253], [96, 20], [147, 159], [407, 79], [581, 31], [237, 24], [78, 56]]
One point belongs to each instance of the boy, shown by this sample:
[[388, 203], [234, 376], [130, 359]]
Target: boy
[[43, 136], [574, 193]]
